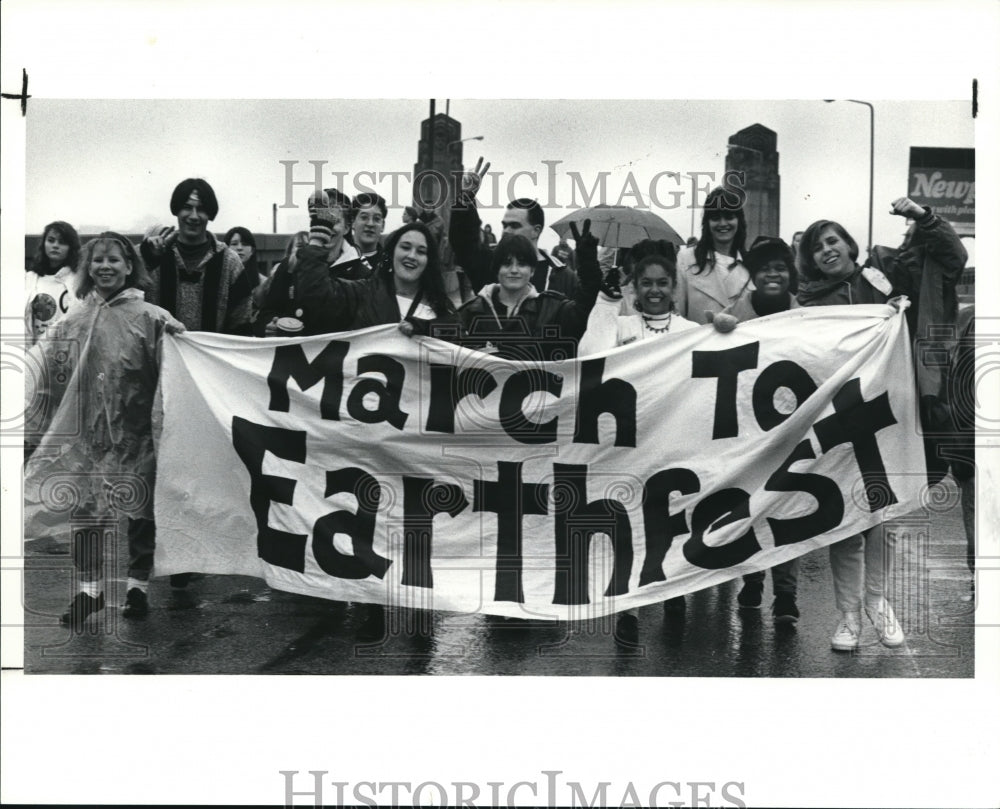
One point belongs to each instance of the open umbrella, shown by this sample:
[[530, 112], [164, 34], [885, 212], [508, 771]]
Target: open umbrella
[[619, 226]]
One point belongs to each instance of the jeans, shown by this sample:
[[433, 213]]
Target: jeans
[[861, 564], [88, 549], [784, 577], [141, 546]]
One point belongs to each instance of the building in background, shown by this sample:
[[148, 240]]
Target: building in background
[[945, 180], [439, 163], [753, 152]]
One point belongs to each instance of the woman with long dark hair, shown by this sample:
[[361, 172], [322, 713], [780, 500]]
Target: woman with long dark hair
[[52, 280], [711, 275], [408, 285]]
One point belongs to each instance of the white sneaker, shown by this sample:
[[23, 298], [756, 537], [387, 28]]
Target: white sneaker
[[884, 620], [848, 633]]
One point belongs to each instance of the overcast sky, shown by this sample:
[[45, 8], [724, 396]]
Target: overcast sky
[[114, 163]]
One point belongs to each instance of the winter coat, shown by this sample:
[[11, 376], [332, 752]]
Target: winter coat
[[215, 297], [708, 290], [283, 296], [926, 268], [332, 304], [476, 258], [864, 285], [90, 413], [542, 326]]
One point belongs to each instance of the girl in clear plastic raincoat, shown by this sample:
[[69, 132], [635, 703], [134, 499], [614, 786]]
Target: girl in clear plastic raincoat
[[89, 416]]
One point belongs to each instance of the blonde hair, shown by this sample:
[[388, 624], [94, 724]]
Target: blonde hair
[[139, 277]]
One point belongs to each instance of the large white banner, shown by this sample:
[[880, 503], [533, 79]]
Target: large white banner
[[373, 467]]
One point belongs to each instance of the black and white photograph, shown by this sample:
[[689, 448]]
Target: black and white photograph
[[488, 584], [629, 409]]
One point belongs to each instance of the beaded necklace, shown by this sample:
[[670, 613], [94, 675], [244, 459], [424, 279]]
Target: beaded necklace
[[647, 321]]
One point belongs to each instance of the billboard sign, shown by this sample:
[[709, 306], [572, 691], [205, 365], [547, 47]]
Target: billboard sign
[[945, 180]]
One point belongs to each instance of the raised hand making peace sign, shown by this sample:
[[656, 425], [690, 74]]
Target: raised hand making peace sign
[[586, 243], [159, 238], [586, 255], [472, 180]]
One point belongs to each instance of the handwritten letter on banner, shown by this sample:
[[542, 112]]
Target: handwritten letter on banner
[[372, 467]]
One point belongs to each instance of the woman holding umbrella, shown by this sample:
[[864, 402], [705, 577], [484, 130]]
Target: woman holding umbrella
[[711, 276]]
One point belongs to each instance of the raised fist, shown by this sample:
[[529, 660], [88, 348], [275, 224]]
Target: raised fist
[[904, 206]]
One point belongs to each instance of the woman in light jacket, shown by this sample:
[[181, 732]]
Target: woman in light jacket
[[710, 275]]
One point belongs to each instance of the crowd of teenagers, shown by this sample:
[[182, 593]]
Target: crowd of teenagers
[[115, 301]]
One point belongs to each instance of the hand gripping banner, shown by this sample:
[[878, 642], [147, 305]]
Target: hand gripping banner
[[368, 466]]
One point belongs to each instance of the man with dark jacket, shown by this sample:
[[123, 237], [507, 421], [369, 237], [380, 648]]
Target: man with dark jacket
[[196, 278], [201, 282], [342, 258], [523, 217]]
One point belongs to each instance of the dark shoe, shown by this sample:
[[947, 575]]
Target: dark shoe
[[627, 630], [136, 604], [180, 580], [81, 608], [675, 606], [784, 609], [750, 596]]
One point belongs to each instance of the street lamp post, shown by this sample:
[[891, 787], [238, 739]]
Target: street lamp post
[[463, 140], [871, 162]]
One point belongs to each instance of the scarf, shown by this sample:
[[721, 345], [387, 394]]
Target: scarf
[[811, 291]]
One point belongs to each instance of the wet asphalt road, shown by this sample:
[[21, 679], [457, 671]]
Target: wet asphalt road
[[237, 625]]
